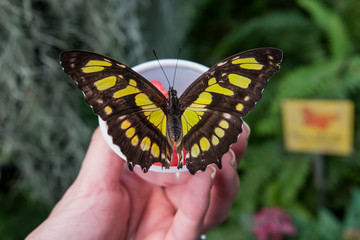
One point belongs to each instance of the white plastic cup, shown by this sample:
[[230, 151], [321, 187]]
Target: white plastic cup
[[186, 73]]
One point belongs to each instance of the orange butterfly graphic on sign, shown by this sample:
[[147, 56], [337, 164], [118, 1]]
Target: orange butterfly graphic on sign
[[316, 120]]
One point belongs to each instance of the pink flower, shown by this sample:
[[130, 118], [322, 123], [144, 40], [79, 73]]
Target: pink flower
[[273, 224]]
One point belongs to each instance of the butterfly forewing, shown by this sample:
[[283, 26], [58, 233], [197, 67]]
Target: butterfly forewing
[[131, 106], [214, 104]]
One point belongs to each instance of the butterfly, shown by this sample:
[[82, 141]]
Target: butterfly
[[201, 124]]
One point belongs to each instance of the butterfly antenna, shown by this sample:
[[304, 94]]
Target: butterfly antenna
[[161, 67], [177, 60]]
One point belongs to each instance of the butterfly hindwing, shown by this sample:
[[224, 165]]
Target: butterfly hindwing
[[131, 106], [214, 104]]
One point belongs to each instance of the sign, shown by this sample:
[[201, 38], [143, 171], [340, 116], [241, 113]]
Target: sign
[[319, 126]]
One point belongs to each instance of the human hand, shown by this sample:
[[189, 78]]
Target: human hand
[[106, 201]]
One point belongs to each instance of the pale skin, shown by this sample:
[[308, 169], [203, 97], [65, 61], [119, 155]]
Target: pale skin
[[107, 201]]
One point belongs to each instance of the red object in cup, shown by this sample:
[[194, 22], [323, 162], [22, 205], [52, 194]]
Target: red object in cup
[[160, 87]]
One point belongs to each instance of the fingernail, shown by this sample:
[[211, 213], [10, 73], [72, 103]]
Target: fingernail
[[213, 174], [233, 160], [245, 125]]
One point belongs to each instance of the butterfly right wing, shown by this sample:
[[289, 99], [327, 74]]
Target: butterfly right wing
[[131, 106], [214, 104]]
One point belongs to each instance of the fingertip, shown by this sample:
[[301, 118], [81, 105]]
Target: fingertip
[[96, 137], [233, 158], [98, 145], [213, 174], [223, 193], [240, 146], [246, 129], [200, 178], [229, 158], [199, 187]]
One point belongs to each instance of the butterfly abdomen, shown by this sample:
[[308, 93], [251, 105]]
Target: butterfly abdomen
[[174, 127], [174, 115]]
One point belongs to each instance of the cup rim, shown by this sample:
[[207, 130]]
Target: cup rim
[[143, 67]]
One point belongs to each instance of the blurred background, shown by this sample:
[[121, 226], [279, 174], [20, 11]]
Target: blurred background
[[45, 127]]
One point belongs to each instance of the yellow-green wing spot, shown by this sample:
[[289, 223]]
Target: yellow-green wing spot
[[132, 82], [108, 110], [238, 60], [212, 81], [92, 69], [105, 83], [248, 63], [162, 126], [219, 132], [239, 81], [185, 126], [191, 116], [213, 86], [130, 132], [142, 100], [125, 124], [145, 144], [126, 91], [224, 124], [239, 107], [157, 119], [204, 144], [195, 150], [155, 150], [95, 66], [135, 141], [216, 88], [154, 114], [215, 140], [204, 98], [98, 63]]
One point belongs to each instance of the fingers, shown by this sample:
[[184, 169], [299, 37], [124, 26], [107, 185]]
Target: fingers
[[226, 184], [222, 195], [240, 146], [193, 206]]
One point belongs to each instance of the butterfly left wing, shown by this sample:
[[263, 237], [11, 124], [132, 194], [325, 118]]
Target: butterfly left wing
[[131, 106], [214, 104]]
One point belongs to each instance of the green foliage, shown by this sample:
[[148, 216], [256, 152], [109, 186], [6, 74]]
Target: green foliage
[[352, 214], [264, 30], [17, 222], [332, 25], [328, 226]]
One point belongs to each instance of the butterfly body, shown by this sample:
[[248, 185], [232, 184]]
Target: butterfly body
[[174, 115], [203, 122]]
